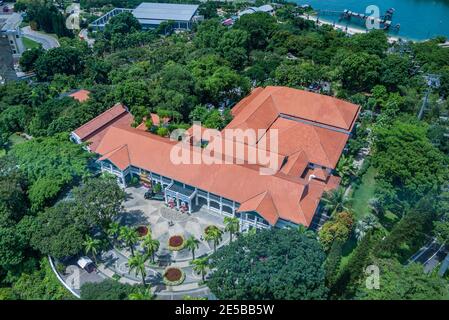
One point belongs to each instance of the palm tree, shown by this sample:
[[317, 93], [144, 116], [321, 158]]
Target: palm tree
[[213, 233], [307, 232], [335, 201], [376, 206], [366, 224], [345, 168], [232, 226], [150, 245], [192, 244], [141, 295], [92, 245], [129, 236], [137, 263], [113, 231], [200, 266]]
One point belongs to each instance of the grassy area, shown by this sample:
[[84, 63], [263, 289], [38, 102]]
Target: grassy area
[[363, 193], [30, 44], [16, 139]]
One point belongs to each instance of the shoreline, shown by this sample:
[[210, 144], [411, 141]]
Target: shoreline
[[350, 30]]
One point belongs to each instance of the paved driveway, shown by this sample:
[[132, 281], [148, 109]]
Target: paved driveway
[[166, 222], [47, 41]]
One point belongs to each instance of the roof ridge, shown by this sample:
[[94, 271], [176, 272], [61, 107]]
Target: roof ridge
[[106, 111]]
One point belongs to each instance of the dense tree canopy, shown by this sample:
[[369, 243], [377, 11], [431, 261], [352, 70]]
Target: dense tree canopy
[[410, 283], [50, 165], [276, 264]]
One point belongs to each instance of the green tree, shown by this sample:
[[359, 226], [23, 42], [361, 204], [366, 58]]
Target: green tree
[[59, 231], [200, 266], [137, 263], [192, 244], [337, 229], [113, 231], [360, 71], [408, 165], [271, 264], [335, 201], [232, 225], [129, 236], [108, 290], [101, 198], [29, 57], [400, 282], [150, 245], [50, 165], [213, 233], [92, 245]]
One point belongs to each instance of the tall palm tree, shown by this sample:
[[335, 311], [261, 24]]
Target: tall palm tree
[[150, 245], [137, 263], [129, 236], [92, 245], [113, 231], [232, 226], [214, 234], [335, 201], [192, 244], [200, 266]]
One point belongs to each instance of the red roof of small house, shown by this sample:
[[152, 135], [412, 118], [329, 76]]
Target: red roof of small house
[[80, 95], [156, 120], [305, 136]]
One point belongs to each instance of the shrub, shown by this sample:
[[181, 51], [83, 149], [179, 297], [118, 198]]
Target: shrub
[[174, 276], [176, 243], [107, 290]]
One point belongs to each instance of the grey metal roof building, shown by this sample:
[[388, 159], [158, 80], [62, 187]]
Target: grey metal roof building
[[151, 15]]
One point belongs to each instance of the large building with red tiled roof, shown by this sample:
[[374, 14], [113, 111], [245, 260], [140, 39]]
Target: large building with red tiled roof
[[311, 131]]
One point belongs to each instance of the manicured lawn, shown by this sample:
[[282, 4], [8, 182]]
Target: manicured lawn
[[363, 193], [30, 44]]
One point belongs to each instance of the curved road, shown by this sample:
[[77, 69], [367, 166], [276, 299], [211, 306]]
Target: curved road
[[47, 41]]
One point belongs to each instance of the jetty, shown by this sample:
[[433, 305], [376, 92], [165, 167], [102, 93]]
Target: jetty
[[384, 21]]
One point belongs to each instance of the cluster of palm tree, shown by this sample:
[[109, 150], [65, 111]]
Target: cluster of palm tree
[[335, 201], [129, 237], [346, 169]]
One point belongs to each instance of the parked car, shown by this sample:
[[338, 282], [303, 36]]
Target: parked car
[[86, 263], [148, 194]]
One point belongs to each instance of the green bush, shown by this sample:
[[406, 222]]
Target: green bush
[[107, 290]]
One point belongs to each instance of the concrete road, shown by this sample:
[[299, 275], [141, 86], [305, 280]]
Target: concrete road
[[47, 41]]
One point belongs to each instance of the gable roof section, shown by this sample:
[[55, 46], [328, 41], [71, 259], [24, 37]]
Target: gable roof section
[[263, 204], [119, 157], [100, 121]]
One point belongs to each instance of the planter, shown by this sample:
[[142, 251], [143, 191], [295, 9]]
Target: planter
[[142, 231], [176, 243], [173, 276]]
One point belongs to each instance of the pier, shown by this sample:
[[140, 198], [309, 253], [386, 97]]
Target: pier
[[384, 21]]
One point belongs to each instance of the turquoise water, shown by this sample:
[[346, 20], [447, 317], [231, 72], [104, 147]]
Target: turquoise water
[[419, 19]]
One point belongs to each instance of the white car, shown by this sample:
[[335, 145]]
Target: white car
[[86, 263]]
